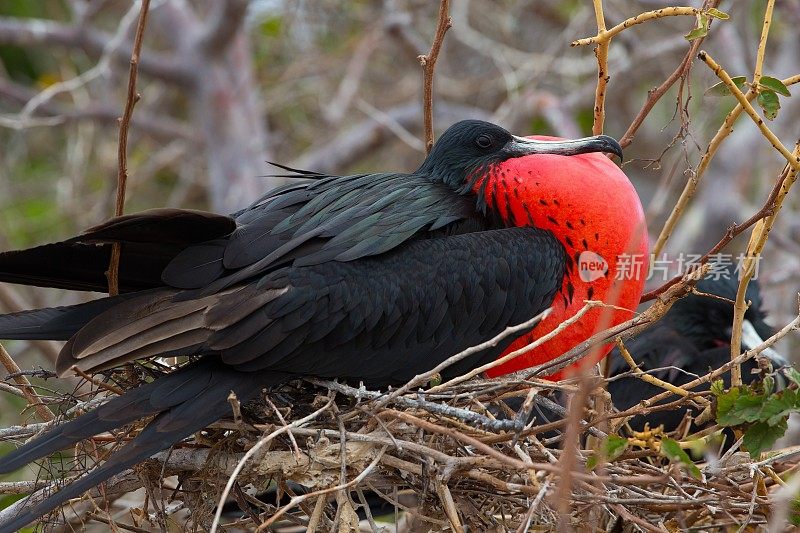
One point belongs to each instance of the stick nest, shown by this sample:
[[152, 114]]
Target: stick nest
[[461, 459]]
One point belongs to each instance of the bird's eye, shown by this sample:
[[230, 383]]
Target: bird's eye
[[483, 141]]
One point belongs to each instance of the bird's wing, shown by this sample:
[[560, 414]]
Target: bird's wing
[[375, 318], [332, 219]]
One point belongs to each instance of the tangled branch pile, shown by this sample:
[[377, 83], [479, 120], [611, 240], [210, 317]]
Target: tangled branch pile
[[459, 459]]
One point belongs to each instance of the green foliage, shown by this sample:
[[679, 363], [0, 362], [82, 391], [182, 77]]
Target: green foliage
[[758, 411], [704, 21], [611, 448], [717, 14], [673, 451], [720, 89], [768, 90], [768, 100], [774, 84]]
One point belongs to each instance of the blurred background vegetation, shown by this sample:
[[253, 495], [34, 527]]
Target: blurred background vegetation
[[335, 86]]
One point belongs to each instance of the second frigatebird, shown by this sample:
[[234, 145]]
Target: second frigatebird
[[693, 338], [372, 278]]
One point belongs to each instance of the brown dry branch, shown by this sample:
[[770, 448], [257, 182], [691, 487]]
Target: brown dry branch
[[122, 150], [25, 387], [654, 95], [428, 63], [343, 441], [603, 42]]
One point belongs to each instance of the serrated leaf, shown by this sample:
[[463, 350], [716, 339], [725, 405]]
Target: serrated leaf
[[769, 102], [774, 84], [778, 407], [720, 89], [761, 436], [792, 374], [725, 403], [747, 408], [673, 451], [717, 14], [718, 387]]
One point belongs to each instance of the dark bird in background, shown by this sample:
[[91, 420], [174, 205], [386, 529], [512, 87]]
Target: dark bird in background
[[372, 278], [691, 339]]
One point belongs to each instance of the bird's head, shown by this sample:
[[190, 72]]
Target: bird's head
[[470, 150], [707, 315]]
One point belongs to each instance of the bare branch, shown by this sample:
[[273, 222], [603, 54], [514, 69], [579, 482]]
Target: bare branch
[[122, 150], [428, 63]]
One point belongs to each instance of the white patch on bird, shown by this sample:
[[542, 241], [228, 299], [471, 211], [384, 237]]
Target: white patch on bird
[[591, 266], [751, 339]]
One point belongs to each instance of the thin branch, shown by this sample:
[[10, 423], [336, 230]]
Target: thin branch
[[426, 376], [793, 160], [428, 63], [758, 238], [603, 41], [639, 373], [591, 304], [122, 151], [252, 451], [606, 35], [732, 232], [601, 52], [25, 386]]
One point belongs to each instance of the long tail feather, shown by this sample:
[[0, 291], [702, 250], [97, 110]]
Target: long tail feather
[[187, 401], [55, 323]]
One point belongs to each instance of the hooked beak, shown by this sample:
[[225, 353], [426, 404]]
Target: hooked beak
[[751, 339], [520, 146]]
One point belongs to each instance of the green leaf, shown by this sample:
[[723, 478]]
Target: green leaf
[[720, 89], [673, 451], [774, 84], [718, 387], [725, 403], [747, 407], [615, 446], [717, 14], [696, 33], [769, 102], [792, 373], [778, 407], [611, 448], [769, 385], [761, 436], [701, 30]]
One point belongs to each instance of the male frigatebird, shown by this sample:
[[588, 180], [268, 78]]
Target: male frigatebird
[[372, 278], [691, 339]]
